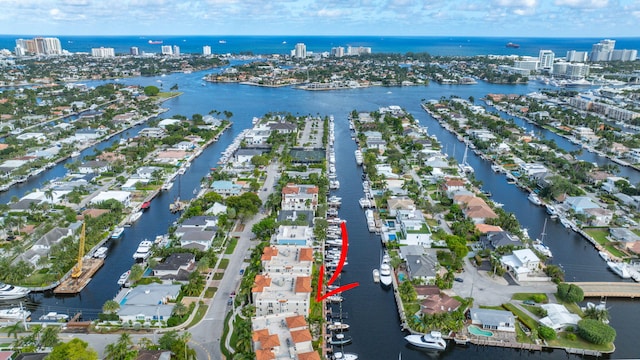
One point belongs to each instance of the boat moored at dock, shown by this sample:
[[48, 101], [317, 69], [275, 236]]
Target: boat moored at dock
[[432, 340], [117, 233]]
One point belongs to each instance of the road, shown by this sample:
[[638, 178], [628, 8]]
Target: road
[[206, 335]]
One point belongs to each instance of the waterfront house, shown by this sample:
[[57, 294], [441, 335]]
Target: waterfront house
[[451, 185], [279, 293], [558, 317], [196, 239], [521, 264], [475, 208], [201, 222], [94, 167], [296, 215], [609, 184], [177, 266], [437, 302], [623, 235], [282, 127], [493, 319], [146, 172], [226, 187], [123, 197], [42, 246], [423, 267], [152, 132], [580, 203], [287, 259], [494, 240], [217, 209], [599, 216], [293, 235], [148, 302], [300, 197], [84, 135], [166, 122]]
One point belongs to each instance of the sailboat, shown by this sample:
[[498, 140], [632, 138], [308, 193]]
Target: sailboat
[[539, 243], [465, 167]]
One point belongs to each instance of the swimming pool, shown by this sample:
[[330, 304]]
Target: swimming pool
[[479, 332]]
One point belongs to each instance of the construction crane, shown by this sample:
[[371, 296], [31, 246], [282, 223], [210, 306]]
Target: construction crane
[[77, 269]]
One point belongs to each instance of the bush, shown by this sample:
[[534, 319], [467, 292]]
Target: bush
[[539, 298], [570, 293], [546, 332], [571, 337], [108, 317], [596, 332]]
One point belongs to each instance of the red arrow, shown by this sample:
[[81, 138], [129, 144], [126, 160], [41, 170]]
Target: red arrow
[[343, 258]]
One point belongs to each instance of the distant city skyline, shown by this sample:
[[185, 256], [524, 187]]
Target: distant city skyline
[[504, 18]]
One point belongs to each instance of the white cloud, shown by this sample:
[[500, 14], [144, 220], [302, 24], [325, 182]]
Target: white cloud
[[583, 4], [517, 3], [330, 13]]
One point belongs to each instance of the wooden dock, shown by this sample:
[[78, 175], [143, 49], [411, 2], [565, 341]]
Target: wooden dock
[[73, 286], [610, 289]]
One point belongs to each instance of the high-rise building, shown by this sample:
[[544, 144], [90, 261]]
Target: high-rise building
[[300, 51], [134, 51], [560, 68], [176, 50], [166, 50], [577, 71], [358, 50], [103, 52], [545, 59], [337, 51], [602, 51], [40, 46], [206, 50], [576, 56], [624, 55]]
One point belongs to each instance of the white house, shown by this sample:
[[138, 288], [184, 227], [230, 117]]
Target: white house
[[521, 263], [123, 197], [493, 319]]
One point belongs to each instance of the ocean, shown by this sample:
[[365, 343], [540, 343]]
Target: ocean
[[435, 45]]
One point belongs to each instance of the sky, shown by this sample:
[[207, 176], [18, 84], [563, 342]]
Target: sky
[[504, 18]]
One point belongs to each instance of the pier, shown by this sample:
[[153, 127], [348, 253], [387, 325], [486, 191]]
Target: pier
[[609, 289], [72, 285]]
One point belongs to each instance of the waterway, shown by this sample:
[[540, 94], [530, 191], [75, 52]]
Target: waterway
[[374, 322]]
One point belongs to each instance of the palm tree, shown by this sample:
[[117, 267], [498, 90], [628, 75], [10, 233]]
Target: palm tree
[[49, 337], [180, 309], [110, 307]]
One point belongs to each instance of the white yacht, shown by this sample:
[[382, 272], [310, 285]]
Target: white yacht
[[16, 313], [101, 252], [539, 243], [620, 269], [533, 197], [385, 271], [344, 356], [134, 217], [359, 157], [10, 292], [376, 276], [117, 233], [432, 340], [604, 256], [54, 316], [143, 251], [124, 277]]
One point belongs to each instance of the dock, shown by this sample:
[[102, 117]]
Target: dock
[[609, 289], [73, 286]]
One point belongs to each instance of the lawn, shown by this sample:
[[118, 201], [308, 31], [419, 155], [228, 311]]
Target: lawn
[[578, 343], [210, 292], [522, 316], [231, 246], [218, 276], [223, 264], [202, 310], [600, 236], [530, 296]]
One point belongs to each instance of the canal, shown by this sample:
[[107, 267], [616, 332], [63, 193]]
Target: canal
[[372, 312]]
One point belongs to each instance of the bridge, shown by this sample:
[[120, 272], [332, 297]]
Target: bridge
[[609, 289]]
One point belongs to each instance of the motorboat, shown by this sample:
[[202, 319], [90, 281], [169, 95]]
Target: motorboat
[[15, 313], [432, 340], [620, 269], [54, 316], [143, 251], [376, 276], [359, 157], [134, 217], [124, 277], [551, 210], [344, 356], [385, 274], [10, 292], [117, 233], [335, 298], [604, 256], [101, 252], [338, 326], [339, 339], [533, 197]]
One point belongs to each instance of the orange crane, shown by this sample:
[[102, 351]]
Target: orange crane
[[77, 269]]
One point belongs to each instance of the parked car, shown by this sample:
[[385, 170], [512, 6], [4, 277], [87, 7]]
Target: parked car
[[529, 302], [458, 279]]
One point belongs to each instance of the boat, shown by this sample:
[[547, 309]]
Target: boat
[[533, 197], [134, 217], [338, 326], [465, 167], [124, 277], [10, 292], [566, 222], [101, 252], [619, 268], [340, 339], [551, 210], [143, 251], [145, 205], [335, 298], [385, 271], [539, 243], [155, 42], [54, 316], [359, 157], [376, 276], [512, 45], [432, 340], [222, 41], [15, 313], [344, 356], [117, 233], [604, 256], [75, 154], [365, 203]]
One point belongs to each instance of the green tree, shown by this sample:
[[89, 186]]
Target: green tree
[[546, 332], [596, 332], [570, 292], [49, 337], [110, 307], [265, 228], [122, 349], [75, 349], [151, 90]]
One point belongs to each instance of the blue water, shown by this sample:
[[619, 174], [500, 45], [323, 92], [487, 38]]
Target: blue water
[[435, 45]]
